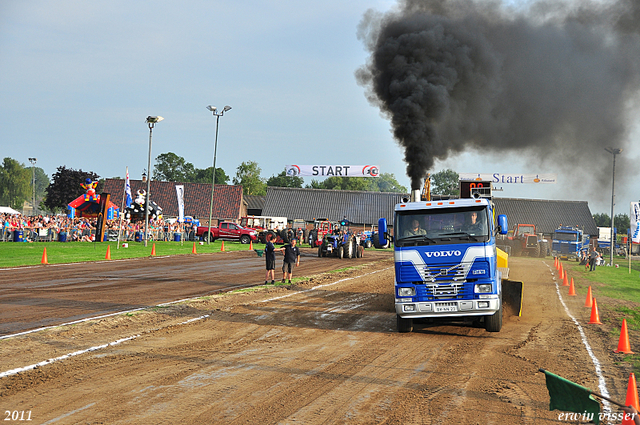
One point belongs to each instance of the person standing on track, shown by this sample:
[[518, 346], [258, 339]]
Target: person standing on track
[[291, 257], [593, 257], [270, 259]]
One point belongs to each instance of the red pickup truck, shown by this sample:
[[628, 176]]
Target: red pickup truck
[[227, 231]]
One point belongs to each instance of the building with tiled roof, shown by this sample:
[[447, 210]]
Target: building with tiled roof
[[360, 208], [547, 215], [255, 203], [228, 203]]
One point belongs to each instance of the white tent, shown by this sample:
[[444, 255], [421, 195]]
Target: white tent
[[8, 210]]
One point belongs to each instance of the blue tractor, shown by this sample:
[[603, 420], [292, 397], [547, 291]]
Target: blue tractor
[[341, 243]]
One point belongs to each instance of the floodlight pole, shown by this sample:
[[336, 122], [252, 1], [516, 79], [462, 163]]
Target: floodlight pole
[[614, 152], [151, 121], [213, 110], [33, 183]]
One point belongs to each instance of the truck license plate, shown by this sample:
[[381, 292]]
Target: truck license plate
[[442, 309]]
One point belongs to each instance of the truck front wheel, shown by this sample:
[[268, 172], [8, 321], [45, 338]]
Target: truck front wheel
[[245, 239], [493, 323], [404, 325]]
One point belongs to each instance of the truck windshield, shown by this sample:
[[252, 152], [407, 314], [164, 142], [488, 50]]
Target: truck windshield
[[441, 226], [573, 237]]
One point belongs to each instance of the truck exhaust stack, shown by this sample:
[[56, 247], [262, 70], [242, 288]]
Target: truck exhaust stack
[[415, 195]]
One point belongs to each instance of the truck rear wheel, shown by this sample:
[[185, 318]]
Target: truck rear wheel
[[320, 251], [349, 247], [404, 325], [493, 323], [209, 237], [543, 250], [535, 252], [341, 252]]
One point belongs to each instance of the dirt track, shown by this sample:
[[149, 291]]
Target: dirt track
[[325, 351]]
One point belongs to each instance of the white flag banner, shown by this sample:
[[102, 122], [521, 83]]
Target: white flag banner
[[498, 178], [332, 170], [634, 219], [180, 196]]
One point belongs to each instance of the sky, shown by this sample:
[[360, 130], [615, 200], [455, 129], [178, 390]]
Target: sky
[[78, 79]]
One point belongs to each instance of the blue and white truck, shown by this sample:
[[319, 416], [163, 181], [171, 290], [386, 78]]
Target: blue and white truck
[[568, 243], [446, 260]]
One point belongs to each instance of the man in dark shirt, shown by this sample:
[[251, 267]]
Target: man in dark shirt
[[291, 257], [270, 258]]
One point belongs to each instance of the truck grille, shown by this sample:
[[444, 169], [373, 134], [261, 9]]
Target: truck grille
[[452, 291], [443, 273]]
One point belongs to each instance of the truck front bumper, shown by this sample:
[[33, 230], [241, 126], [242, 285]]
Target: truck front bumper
[[451, 308]]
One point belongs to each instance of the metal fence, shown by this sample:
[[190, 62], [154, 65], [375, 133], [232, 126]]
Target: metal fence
[[88, 235]]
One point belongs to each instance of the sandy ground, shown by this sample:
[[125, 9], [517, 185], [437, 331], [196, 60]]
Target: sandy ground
[[322, 351]]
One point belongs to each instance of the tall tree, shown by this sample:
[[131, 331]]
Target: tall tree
[[445, 182], [42, 182], [173, 168], [387, 183], [347, 183], [248, 176], [206, 176], [602, 220], [622, 223], [65, 187], [282, 180], [15, 183]]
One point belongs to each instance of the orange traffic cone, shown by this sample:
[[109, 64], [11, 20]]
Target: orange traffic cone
[[588, 302], [250, 245], [108, 256], [556, 263], [193, 250], [623, 343], [565, 279], [222, 246], [572, 289], [561, 271], [632, 398], [44, 256], [153, 249], [595, 317]]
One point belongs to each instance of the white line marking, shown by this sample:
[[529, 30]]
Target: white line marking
[[99, 347], [66, 356], [71, 323], [66, 415], [602, 384], [323, 286]]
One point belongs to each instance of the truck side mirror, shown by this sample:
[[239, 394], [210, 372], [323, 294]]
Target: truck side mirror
[[382, 231], [502, 224]]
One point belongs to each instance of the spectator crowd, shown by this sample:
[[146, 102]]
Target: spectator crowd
[[63, 228]]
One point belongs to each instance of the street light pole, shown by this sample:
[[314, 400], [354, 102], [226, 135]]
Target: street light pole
[[213, 110], [614, 152], [33, 184], [151, 121]]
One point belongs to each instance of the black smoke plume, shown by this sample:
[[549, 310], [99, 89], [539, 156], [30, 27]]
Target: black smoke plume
[[549, 80]]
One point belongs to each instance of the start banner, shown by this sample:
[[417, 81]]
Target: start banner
[[332, 170], [634, 219], [510, 178]]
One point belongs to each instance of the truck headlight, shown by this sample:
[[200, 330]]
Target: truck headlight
[[482, 288], [406, 292]]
